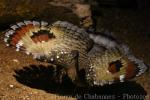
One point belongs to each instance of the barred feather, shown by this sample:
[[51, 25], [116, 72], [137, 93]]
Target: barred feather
[[118, 55], [50, 43], [35, 36]]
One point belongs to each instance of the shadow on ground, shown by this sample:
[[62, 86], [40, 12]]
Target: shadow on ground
[[41, 77]]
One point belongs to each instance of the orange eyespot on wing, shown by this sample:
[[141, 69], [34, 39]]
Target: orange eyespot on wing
[[35, 39], [114, 66], [44, 37], [40, 38], [112, 69], [131, 71]]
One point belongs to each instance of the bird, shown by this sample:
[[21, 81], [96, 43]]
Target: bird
[[88, 59]]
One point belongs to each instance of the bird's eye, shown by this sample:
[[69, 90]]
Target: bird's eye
[[115, 66]]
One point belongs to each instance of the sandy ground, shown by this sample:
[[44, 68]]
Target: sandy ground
[[23, 78]]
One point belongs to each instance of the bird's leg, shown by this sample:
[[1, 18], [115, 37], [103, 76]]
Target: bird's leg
[[68, 62], [72, 70], [60, 73]]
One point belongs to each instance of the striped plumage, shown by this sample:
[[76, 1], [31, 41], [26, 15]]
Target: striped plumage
[[111, 66], [111, 61], [56, 43], [65, 44]]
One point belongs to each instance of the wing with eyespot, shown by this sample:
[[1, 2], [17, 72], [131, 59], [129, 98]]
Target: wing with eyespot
[[113, 65]]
